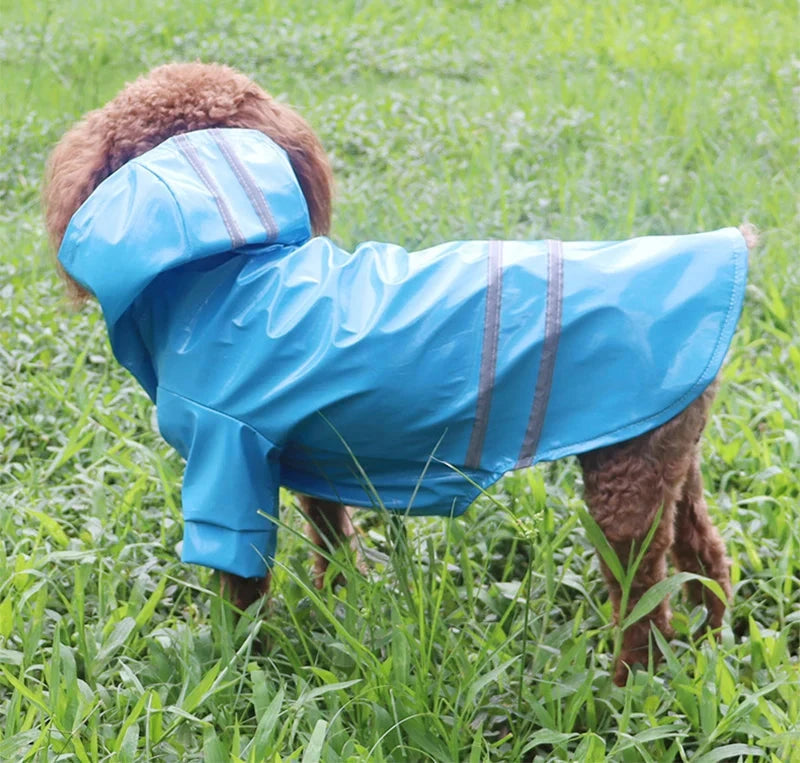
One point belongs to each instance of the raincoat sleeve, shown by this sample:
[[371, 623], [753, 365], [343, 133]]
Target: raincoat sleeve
[[230, 487]]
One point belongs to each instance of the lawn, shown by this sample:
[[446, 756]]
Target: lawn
[[484, 638]]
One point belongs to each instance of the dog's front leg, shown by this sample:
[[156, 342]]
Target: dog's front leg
[[329, 526], [242, 592]]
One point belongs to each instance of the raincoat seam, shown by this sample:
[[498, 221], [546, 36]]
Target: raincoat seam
[[181, 396], [243, 531], [172, 195]]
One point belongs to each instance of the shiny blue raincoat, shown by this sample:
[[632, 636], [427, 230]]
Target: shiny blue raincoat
[[381, 377]]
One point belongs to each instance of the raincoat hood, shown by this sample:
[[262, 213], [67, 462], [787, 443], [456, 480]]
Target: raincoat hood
[[378, 377], [167, 208], [157, 212]]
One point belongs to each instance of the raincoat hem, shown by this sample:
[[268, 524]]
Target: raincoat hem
[[706, 377], [247, 553]]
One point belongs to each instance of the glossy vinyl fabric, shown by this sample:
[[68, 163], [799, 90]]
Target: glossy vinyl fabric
[[378, 377]]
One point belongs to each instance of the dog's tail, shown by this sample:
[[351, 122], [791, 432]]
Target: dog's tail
[[750, 233]]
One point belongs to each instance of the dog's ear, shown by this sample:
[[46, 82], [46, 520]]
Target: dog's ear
[[314, 174], [77, 165]]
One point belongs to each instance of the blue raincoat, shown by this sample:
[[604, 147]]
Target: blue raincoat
[[381, 377]]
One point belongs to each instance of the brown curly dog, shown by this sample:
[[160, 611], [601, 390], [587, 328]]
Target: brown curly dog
[[626, 485]]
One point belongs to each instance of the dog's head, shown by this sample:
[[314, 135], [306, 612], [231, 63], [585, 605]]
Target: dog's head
[[174, 99]]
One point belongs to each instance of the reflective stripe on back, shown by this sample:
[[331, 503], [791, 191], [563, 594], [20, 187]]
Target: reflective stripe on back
[[552, 333]]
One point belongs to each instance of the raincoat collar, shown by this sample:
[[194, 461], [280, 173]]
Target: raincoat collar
[[193, 197]]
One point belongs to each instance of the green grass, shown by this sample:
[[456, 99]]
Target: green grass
[[487, 638]]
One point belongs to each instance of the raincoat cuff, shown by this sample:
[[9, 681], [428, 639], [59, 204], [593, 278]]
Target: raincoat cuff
[[247, 553]]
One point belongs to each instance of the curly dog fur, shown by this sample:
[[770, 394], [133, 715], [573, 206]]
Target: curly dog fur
[[626, 485]]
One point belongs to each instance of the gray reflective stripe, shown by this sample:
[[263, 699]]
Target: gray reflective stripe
[[190, 152], [491, 332], [552, 333], [249, 185]]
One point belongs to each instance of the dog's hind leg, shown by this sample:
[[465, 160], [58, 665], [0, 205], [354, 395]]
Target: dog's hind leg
[[699, 548], [625, 487], [329, 526]]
